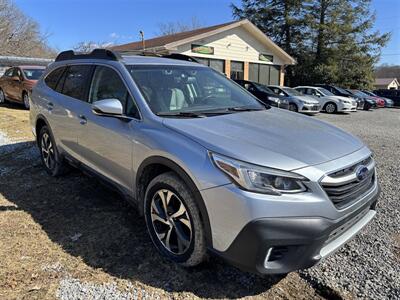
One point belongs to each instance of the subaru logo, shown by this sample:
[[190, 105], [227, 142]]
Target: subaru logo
[[361, 172]]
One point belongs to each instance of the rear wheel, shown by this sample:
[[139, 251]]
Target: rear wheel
[[293, 107], [330, 108], [2, 97], [25, 98], [173, 220], [51, 159]]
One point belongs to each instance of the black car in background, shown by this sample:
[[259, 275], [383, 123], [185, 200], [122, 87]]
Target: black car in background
[[369, 102], [264, 93], [391, 94], [338, 91]]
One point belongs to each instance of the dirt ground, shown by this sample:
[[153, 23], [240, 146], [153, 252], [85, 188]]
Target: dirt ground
[[72, 238]]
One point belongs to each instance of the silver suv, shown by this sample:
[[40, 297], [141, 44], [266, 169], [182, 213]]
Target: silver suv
[[211, 168]]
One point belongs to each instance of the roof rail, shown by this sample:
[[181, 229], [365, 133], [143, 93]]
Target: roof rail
[[96, 54], [180, 57], [138, 52]]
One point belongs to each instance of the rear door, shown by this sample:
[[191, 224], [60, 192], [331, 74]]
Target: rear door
[[107, 143], [65, 110]]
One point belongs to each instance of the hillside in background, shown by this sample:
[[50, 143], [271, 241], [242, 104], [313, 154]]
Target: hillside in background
[[387, 71]]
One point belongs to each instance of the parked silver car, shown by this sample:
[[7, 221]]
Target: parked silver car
[[329, 102], [210, 167], [297, 101]]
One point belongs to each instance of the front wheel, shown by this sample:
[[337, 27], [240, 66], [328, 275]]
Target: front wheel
[[173, 220], [330, 108], [2, 97], [51, 159], [26, 99], [293, 107]]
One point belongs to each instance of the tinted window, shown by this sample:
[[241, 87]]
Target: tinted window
[[107, 84], [76, 79], [9, 72], [52, 79]]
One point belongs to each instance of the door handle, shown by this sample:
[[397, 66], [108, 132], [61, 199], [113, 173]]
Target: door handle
[[50, 106], [83, 119]]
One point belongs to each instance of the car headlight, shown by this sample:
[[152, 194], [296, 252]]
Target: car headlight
[[259, 179], [277, 100]]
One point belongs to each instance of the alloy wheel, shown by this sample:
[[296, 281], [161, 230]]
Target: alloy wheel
[[330, 108], [47, 150], [26, 100], [2, 97], [171, 221], [292, 107]]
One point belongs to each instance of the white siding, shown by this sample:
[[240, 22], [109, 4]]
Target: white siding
[[235, 44]]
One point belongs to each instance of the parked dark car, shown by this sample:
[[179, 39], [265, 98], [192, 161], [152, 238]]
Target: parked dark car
[[391, 94], [264, 93], [17, 82], [338, 91], [388, 102], [369, 102]]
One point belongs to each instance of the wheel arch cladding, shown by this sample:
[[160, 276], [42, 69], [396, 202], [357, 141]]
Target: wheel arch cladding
[[40, 122], [156, 165]]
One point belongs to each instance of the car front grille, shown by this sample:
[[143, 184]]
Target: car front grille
[[343, 187]]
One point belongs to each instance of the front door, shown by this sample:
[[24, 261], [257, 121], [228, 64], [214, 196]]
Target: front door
[[107, 144]]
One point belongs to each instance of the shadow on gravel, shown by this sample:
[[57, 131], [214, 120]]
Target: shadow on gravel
[[94, 223], [13, 105]]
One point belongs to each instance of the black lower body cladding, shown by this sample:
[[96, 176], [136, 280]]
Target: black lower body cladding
[[290, 243]]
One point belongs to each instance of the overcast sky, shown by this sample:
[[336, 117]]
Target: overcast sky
[[119, 21]]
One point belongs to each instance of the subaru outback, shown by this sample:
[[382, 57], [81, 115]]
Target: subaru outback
[[211, 168]]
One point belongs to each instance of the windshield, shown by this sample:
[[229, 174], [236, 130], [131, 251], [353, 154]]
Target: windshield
[[343, 91], [360, 94], [263, 88], [179, 89], [33, 74], [291, 92], [325, 92]]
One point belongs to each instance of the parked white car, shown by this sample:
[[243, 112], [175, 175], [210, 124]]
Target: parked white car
[[329, 102]]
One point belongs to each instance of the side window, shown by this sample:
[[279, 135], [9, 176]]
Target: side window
[[107, 84], [9, 72], [76, 81], [51, 80]]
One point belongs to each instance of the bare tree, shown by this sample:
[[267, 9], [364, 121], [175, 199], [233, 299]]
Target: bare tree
[[178, 26], [20, 35], [90, 45]]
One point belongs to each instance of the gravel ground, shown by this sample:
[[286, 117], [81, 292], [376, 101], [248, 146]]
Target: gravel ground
[[369, 266], [71, 238]]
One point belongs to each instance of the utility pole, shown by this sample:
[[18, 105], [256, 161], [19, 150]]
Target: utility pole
[[142, 36]]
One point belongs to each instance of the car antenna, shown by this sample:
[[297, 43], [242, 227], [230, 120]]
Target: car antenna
[[143, 42]]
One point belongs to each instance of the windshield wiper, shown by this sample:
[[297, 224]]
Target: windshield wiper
[[241, 108], [183, 114]]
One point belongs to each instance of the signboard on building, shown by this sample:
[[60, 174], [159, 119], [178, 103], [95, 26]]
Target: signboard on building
[[266, 57], [201, 49]]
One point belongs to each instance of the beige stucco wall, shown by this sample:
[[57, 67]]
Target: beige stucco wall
[[236, 44]]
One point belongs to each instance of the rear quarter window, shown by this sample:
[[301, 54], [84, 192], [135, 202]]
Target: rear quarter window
[[52, 79]]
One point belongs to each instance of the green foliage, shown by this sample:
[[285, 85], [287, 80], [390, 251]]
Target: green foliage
[[332, 40]]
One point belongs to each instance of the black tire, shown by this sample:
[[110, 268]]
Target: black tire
[[54, 166], [2, 97], [330, 108], [193, 251], [26, 100], [293, 107]]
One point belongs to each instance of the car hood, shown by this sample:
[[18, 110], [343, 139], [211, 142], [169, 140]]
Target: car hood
[[274, 138]]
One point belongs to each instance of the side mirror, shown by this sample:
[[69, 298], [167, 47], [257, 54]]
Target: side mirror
[[15, 78], [108, 107]]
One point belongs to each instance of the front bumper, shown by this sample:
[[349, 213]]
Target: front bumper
[[282, 245], [310, 108]]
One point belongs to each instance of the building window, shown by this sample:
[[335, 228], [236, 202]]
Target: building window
[[237, 70], [216, 64], [264, 74]]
